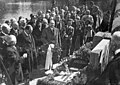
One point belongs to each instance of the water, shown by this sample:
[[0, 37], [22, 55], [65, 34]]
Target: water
[[14, 9]]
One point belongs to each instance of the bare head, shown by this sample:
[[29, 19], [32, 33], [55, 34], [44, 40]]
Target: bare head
[[52, 23]]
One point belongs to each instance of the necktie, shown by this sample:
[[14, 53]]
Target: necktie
[[52, 31]]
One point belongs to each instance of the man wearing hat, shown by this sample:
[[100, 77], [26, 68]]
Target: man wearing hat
[[114, 69]]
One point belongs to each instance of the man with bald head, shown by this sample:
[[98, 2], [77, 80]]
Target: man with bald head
[[50, 36]]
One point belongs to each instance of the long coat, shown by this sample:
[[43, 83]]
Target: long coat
[[26, 44]]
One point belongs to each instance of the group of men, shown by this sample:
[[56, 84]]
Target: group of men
[[57, 28]]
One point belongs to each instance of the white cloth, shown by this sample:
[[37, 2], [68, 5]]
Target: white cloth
[[104, 57], [48, 63], [90, 33], [95, 55]]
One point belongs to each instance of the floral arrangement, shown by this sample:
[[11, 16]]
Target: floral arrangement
[[84, 51]]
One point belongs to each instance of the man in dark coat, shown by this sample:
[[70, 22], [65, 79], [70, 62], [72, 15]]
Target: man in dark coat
[[37, 32], [26, 45], [111, 74], [114, 69], [68, 34], [32, 21], [11, 59], [60, 25], [114, 64], [49, 36]]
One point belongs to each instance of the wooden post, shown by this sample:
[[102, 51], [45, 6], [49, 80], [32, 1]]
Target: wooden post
[[113, 7]]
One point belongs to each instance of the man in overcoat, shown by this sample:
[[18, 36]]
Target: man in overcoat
[[26, 45], [50, 36], [11, 59]]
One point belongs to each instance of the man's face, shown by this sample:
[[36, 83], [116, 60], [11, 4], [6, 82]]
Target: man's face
[[23, 23], [69, 15], [29, 31], [58, 18], [77, 22], [52, 23], [66, 8]]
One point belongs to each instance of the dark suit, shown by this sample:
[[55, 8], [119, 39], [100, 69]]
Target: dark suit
[[37, 35], [59, 25], [26, 44], [67, 42], [49, 37]]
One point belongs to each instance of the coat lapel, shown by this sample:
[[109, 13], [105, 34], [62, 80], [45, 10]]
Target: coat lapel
[[27, 38], [51, 31]]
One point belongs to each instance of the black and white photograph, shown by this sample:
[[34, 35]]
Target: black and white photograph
[[59, 42]]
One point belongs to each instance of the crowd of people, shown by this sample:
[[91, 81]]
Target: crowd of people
[[64, 29]]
